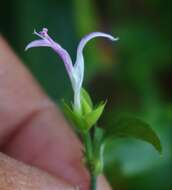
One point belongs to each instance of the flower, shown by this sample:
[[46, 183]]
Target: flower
[[75, 71]]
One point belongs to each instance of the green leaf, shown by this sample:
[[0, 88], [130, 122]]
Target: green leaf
[[76, 119], [134, 127], [92, 117], [86, 102]]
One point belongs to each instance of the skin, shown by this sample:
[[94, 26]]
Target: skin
[[38, 149]]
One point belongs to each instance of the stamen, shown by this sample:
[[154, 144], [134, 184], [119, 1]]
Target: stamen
[[44, 32]]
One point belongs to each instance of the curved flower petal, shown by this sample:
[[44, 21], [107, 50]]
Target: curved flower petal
[[37, 43], [47, 41], [79, 64], [92, 35]]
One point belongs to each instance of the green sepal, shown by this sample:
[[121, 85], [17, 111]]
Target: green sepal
[[127, 126], [87, 97], [88, 116], [86, 102], [92, 117], [75, 118]]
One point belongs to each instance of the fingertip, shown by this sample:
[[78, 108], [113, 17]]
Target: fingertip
[[103, 184], [15, 175]]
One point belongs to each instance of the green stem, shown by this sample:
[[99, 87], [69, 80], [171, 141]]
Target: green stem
[[89, 156], [93, 185], [88, 147]]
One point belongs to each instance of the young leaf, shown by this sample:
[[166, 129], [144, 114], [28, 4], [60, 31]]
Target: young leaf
[[134, 127], [92, 117]]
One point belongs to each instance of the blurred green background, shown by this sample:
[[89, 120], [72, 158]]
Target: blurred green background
[[134, 74]]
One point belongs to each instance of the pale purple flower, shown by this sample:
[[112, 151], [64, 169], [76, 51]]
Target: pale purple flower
[[75, 71]]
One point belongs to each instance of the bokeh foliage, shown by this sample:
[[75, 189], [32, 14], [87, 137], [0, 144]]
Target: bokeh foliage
[[134, 75]]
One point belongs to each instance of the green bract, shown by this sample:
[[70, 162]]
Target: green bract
[[86, 102], [76, 119], [88, 116]]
